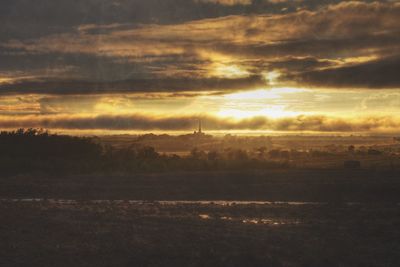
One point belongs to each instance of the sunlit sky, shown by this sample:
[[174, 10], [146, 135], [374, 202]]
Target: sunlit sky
[[241, 65]]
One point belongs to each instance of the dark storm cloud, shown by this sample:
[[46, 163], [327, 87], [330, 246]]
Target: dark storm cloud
[[134, 85], [25, 19], [100, 46], [142, 122], [293, 64], [382, 73], [331, 48], [22, 19], [94, 67], [20, 60]]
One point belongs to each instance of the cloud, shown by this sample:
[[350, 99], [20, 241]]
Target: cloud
[[133, 85], [382, 73], [122, 54], [227, 2], [299, 64], [21, 19], [187, 123], [338, 22]]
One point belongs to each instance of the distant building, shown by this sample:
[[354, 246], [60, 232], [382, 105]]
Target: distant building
[[199, 132]]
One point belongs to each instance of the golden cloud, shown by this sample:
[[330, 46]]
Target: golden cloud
[[142, 122]]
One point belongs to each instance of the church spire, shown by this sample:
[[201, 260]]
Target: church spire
[[199, 125]]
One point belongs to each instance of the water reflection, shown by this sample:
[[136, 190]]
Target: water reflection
[[259, 221], [204, 216], [168, 202]]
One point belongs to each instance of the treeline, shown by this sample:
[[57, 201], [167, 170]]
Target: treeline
[[33, 150], [29, 150]]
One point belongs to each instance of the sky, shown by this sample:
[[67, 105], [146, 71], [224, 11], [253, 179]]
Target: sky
[[298, 66]]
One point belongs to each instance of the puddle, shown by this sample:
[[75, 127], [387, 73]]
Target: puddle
[[259, 221], [269, 222], [204, 216]]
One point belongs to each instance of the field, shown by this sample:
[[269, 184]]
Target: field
[[325, 217]]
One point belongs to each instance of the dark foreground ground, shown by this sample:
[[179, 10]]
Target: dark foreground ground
[[332, 185], [354, 219]]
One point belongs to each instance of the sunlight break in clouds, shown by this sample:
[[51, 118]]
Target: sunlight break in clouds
[[258, 103], [230, 71]]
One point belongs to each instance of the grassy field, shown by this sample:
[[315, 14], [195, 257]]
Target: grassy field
[[355, 222], [122, 234], [332, 185]]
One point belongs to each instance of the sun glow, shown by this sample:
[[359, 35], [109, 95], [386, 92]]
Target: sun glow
[[230, 71], [263, 93], [262, 102], [271, 112], [272, 77], [5, 80]]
